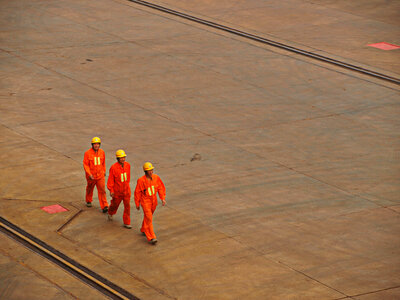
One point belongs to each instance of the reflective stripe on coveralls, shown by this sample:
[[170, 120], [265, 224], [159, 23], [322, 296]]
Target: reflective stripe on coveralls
[[123, 177], [151, 191]]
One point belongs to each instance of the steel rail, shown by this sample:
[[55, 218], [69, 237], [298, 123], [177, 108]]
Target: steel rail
[[101, 284], [270, 42]]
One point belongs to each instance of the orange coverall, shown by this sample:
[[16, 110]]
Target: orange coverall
[[146, 195], [94, 164], [118, 183]]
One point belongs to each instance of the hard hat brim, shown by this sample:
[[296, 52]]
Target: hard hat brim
[[96, 140]]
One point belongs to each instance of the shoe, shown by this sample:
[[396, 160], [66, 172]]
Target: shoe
[[110, 217], [153, 241], [105, 209], [143, 234], [89, 204], [128, 226]]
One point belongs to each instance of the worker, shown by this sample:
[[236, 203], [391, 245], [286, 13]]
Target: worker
[[145, 195], [94, 164], [118, 185]]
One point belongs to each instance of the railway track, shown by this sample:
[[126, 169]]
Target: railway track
[[93, 279], [270, 42]]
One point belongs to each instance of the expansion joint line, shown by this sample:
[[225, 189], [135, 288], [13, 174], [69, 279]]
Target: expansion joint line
[[66, 263], [270, 42]]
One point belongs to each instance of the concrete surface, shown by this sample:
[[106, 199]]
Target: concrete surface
[[337, 29], [295, 190]]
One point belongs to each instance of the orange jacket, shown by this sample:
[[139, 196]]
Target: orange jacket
[[94, 163], [146, 190], [119, 178]]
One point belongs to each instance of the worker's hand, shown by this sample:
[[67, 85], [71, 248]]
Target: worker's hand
[[163, 202], [138, 207], [112, 194], [91, 177]]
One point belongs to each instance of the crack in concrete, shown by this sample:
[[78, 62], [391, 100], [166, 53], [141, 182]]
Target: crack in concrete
[[27, 200], [377, 291], [303, 173], [59, 230], [54, 189], [263, 255], [30, 138]]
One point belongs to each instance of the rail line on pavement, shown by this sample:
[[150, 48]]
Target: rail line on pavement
[[270, 42], [86, 275]]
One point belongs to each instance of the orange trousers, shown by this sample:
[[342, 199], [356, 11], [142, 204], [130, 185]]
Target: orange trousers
[[147, 224], [101, 191], [115, 202]]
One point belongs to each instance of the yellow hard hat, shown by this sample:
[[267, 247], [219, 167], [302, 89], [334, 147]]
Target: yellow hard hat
[[96, 140], [147, 166], [120, 153]]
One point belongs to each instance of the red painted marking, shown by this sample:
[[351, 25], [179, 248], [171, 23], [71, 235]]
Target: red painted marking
[[52, 209], [384, 46]]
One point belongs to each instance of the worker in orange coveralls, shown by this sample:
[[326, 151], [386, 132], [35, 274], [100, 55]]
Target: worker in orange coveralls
[[94, 163], [146, 191], [118, 185]]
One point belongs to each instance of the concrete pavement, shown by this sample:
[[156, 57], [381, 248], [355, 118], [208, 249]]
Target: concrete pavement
[[294, 192], [337, 29]]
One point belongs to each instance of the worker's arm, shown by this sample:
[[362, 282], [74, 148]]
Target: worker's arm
[[138, 194], [86, 165], [110, 182], [129, 174], [104, 163], [161, 191]]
